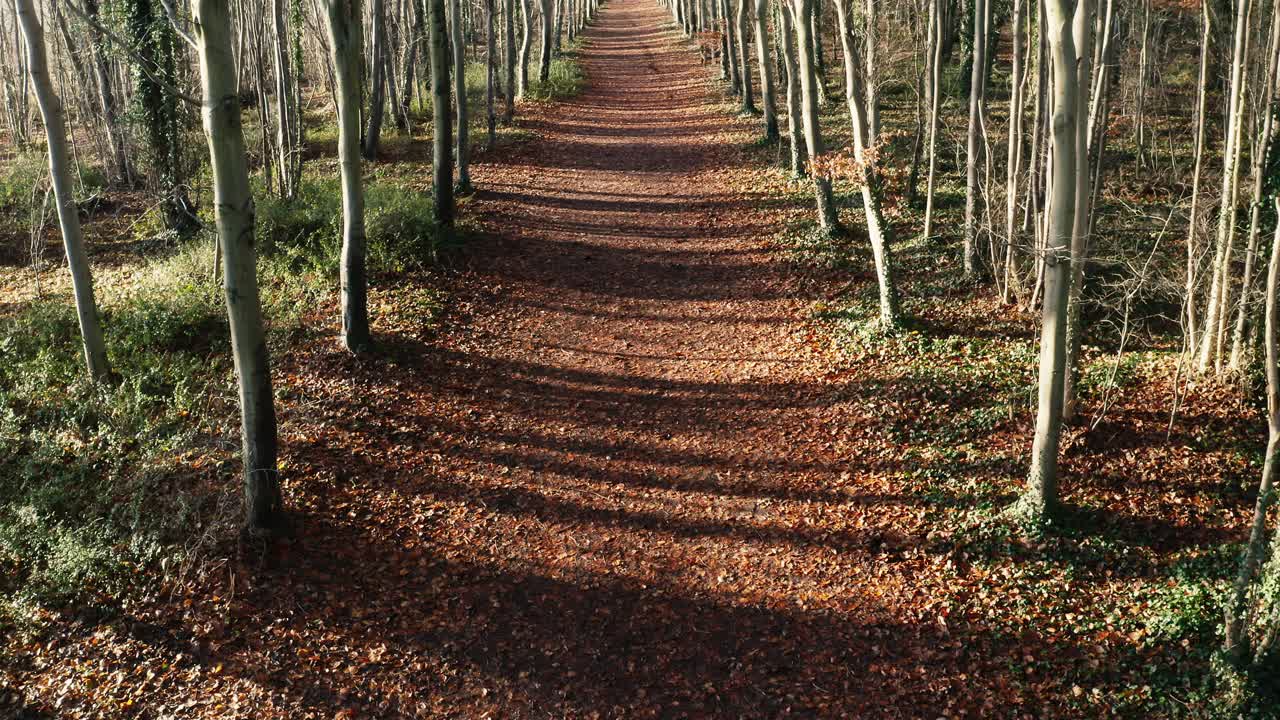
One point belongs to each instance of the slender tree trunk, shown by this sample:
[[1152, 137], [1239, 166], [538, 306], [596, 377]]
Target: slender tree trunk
[[977, 110], [491, 73], [1190, 314], [462, 145], [871, 40], [877, 227], [731, 50], [95, 348], [1017, 82], [410, 63], [442, 133], [526, 44], [345, 46], [1258, 162], [1236, 643], [377, 86], [744, 57], [509, 49], [234, 212], [544, 49], [935, 103], [826, 204], [766, 71], [795, 129], [1211, 342], [1083, 35], [1041, 500]]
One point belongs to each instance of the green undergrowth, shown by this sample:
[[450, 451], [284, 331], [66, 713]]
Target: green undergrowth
[[98, 481]]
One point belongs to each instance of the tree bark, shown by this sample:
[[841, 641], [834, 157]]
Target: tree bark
[[377, 86], [95, 348], [766, 71], [977, 111], [442, 132], [877, 227], [826, 204], [462, 145], [345, 47], [234, 211], [1041, 499], [795, 130], [935, 109]]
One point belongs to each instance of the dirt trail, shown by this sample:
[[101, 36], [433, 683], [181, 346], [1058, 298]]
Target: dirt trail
[[626, 488]]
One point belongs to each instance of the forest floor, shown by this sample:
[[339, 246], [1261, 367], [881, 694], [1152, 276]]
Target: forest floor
[[632, 475]]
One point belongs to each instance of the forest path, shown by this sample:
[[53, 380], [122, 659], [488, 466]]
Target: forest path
[[629, 485]]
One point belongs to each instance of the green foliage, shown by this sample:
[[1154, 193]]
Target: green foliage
[[564, 80], [304, 234]]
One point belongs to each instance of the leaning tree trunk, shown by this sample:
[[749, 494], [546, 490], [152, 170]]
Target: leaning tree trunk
[[795, 130], [977, 109], [95, 348], [871, 181], [826, 203], [234, 212], [377, 94], [441, 158], [1236, 636], [1041, 499], [766, 71], [462, 145], [345, 46]]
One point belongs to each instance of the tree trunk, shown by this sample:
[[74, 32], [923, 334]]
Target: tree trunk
[[766, 71], [826, 204], [410, 63], [544, 48], [526, 44], [744, 58], [795, 130], [1211, 340], [731, 49], [462, 144], [1190, 314], [95, 348], [234, 212], [1041, 500], [345, 46], [1259, 157], [1017, 82], [442, 132], [377, 86], [1236, 643], [977, 110], [935, 109], [509, 59], [877, 227], [491, 73]]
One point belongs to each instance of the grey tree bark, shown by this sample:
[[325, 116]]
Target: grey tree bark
[[442, 133], [826, 204], [345, 47], [1041, 499], [767, 90], [977, 112], [877, 227], [526, 44], [544, 48], [744, 58], [95, 348], [462, 145], [234, 211], [377, 85], [935, 109], [795, 129], [509, 58]]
